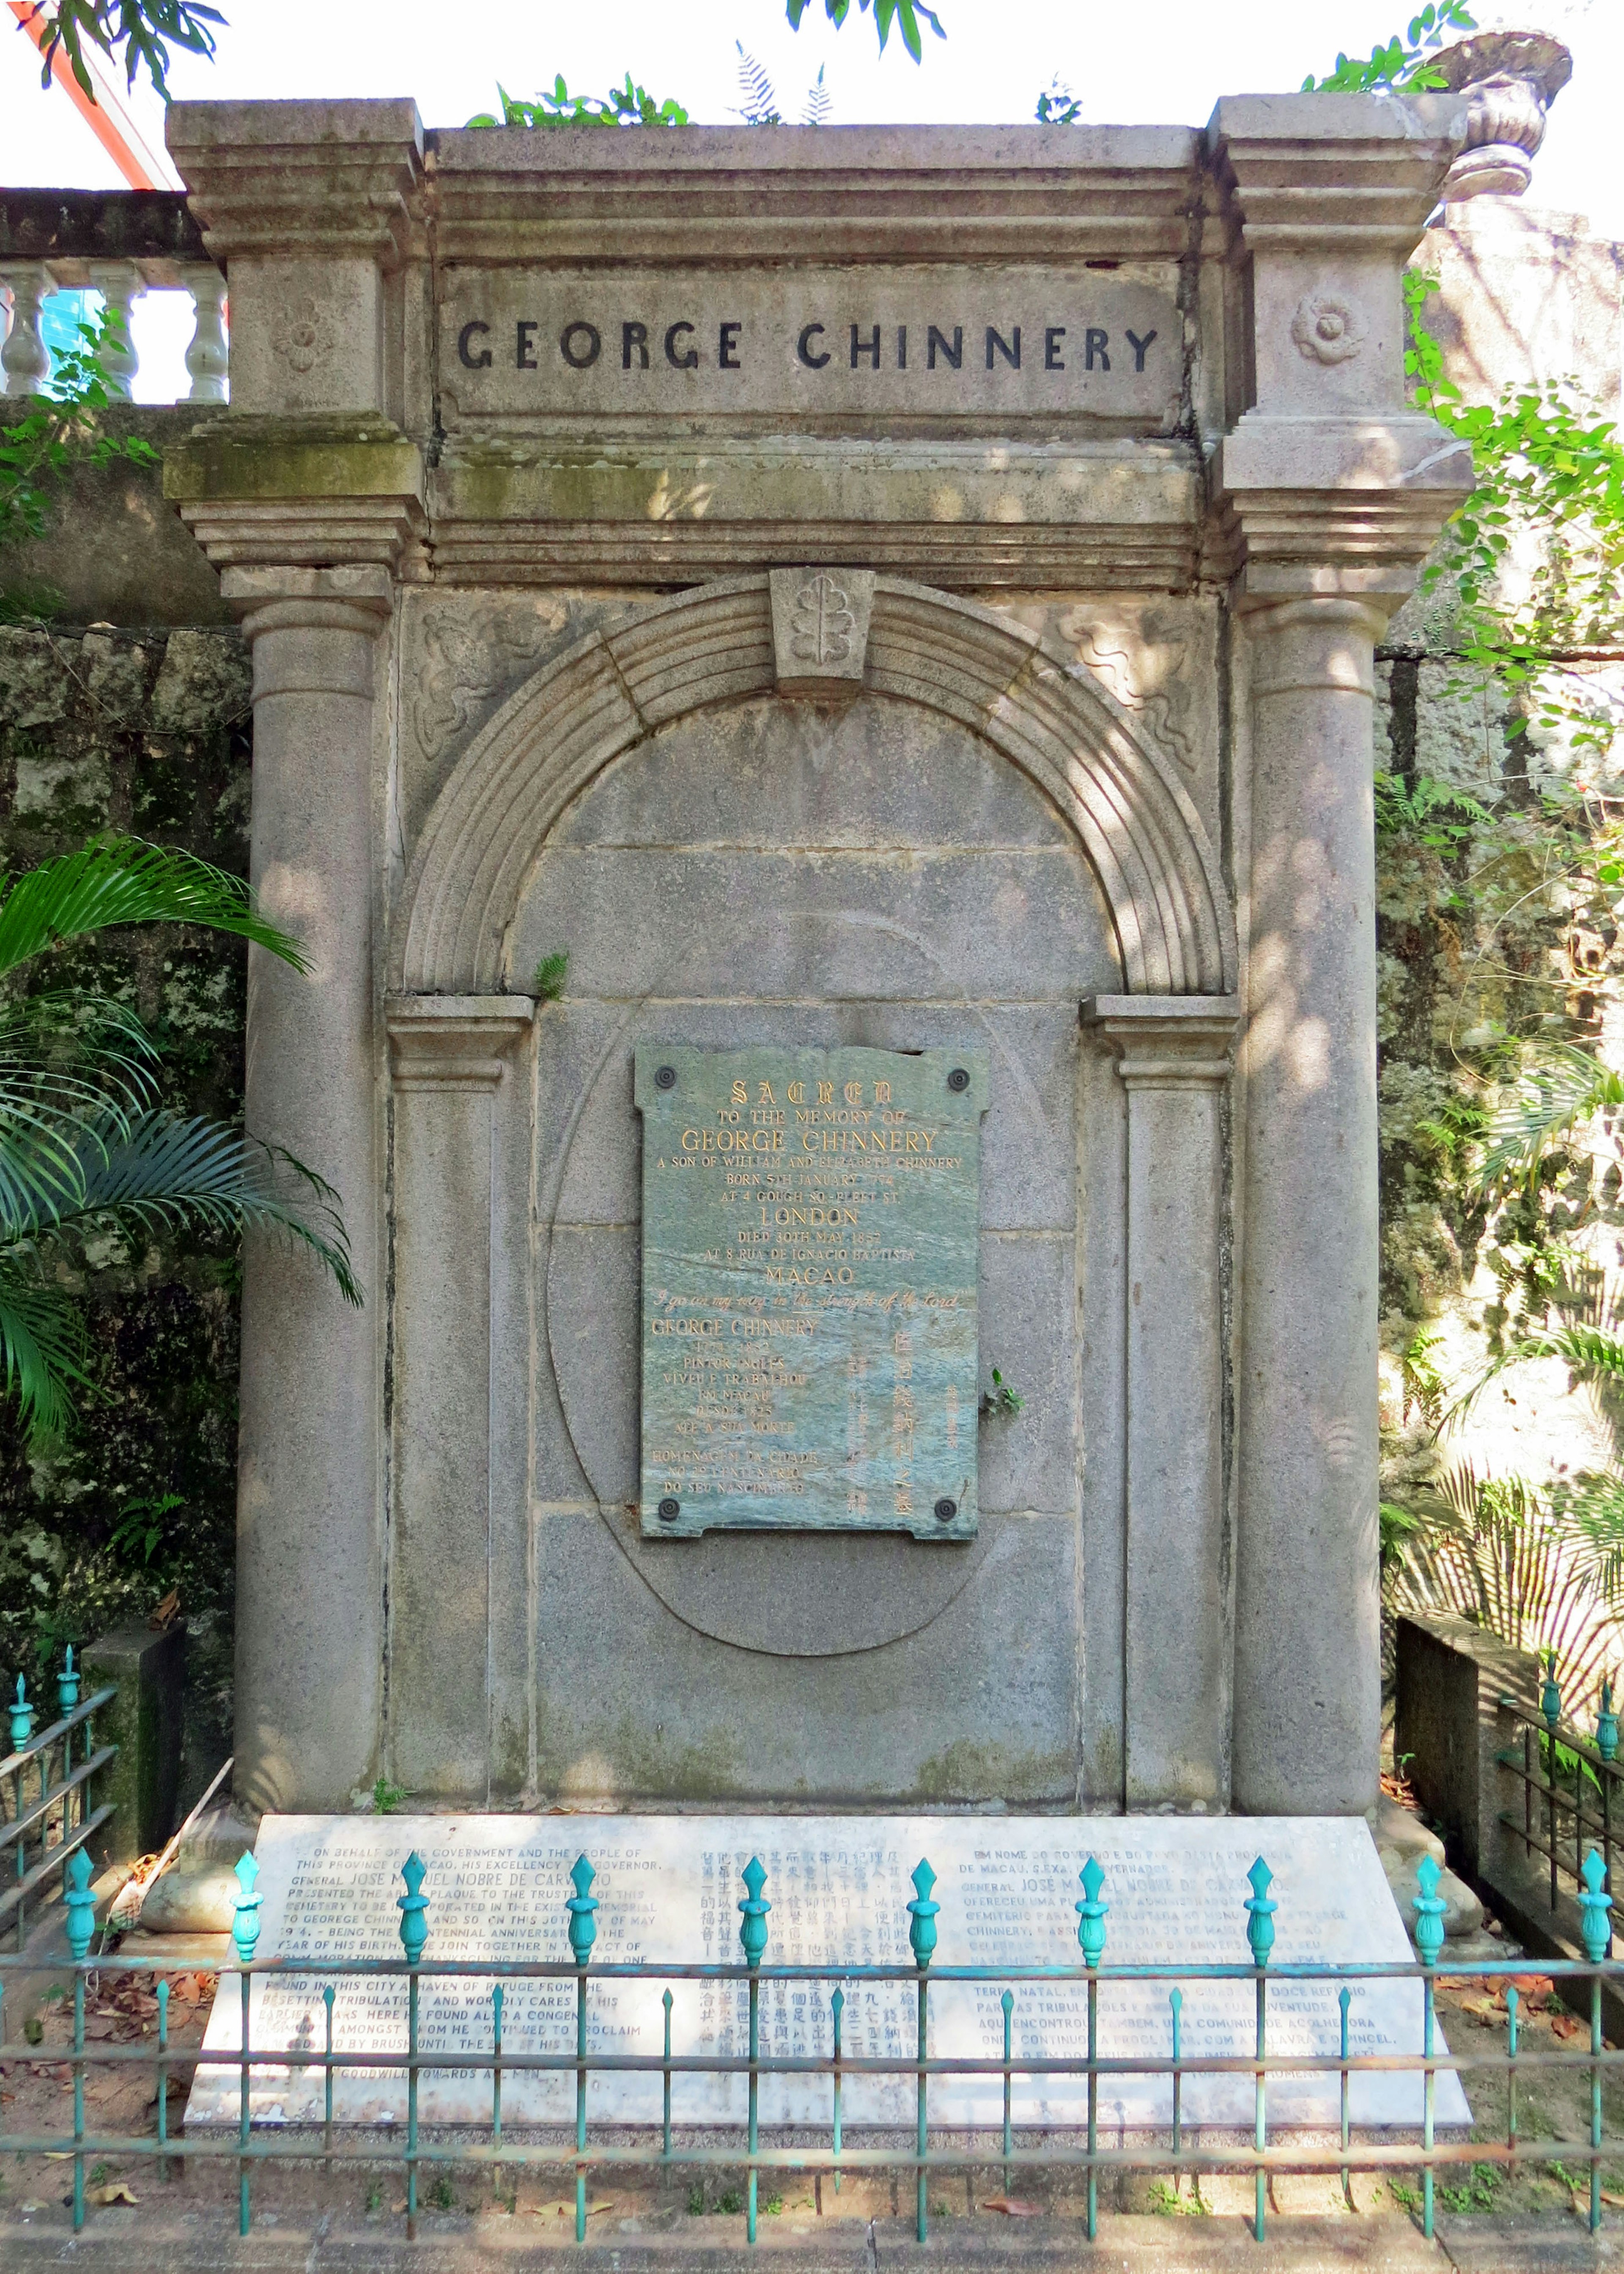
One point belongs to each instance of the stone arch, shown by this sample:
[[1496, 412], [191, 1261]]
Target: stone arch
[[1137, 826]]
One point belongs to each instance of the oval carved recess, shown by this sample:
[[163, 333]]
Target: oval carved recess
[[802, 1594]]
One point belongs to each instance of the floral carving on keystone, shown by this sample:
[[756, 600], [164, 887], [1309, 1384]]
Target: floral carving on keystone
[[1328, 331], [308, 339], [823, 622]]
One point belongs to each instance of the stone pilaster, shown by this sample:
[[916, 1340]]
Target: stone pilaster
[[309, 1568], [1173, 1055], [1331, 489], [448, 1055]]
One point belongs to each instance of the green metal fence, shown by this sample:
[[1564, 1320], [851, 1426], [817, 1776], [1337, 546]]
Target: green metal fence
[[46, 1807], [1500, 2075]]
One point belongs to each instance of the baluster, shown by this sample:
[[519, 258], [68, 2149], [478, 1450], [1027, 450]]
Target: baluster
[[1511, 2065], [163, 2072], [81, 1924], [1596, 1933], [1008, 2004], [1344, 1997], [1551, 1707], [245, 1935], [119, 283], [327, 2102], [25, 359], [496, 2069], [1429, 1942], [836, 2006], [1091, 1914], [208, 359], [413, 1907], [665, 2131], [1607, 1746], [1260, 1934], [582, 1933], [922, 1942], [22, 1728], [753, 1935], [1176, 2002]]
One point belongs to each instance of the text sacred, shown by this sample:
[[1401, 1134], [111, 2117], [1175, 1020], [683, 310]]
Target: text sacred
[[810, 1238]]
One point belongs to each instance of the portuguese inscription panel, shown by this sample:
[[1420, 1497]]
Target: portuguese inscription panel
[[810, 1228], [668, 1889]]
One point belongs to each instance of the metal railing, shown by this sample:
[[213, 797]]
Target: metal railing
[[47, 1808], [1182, 2147], [1570, 1787]]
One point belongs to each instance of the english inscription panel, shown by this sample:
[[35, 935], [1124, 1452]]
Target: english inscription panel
[[809, 1267], [918, 344], [668, 1890]]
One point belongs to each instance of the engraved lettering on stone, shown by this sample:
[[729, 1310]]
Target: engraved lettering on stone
[[824, 623], [838, 1887], [1326, 331]]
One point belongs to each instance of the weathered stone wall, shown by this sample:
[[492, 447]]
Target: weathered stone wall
[[145, 732]]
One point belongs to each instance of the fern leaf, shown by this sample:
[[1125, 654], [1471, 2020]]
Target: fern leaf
[[760, 104]]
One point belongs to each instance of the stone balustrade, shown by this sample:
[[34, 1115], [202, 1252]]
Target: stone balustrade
[[122, 245], [25, 360]]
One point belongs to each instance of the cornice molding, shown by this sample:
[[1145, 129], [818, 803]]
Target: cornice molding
[[288, 180]]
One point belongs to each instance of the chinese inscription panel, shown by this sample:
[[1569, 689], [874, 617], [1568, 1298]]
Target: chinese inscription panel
[[809, 1262]]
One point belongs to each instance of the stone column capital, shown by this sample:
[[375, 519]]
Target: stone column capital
[[288, 599], [273, 495], [1329, 509], [454, 1042], [1166, 1042]]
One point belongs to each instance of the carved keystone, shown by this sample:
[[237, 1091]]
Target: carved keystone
[[820, 628]]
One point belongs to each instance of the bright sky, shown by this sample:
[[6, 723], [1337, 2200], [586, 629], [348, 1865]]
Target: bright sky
[[1167, 63]]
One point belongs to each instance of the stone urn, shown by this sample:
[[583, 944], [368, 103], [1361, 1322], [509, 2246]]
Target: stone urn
[[1509, 80]]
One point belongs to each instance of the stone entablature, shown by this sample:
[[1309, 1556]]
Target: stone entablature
[[1106, 488]]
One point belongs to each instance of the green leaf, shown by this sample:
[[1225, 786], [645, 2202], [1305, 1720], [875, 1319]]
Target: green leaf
[[120, 881], [144, 30], [43, 1347], [163, 1170]]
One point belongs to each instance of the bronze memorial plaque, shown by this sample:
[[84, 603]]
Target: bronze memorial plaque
[[811, 1226]]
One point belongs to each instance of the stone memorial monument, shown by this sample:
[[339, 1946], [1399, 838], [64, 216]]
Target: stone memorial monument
[[894, 609]]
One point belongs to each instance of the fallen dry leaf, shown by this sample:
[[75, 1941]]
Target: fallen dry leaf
[[1011, 2206], [116, 2191]]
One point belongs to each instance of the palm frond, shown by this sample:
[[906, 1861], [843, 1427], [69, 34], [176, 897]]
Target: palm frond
[[163, 1170], [1562, 1087], [1595, 1508], [122, 880], [819, 103], [42, 1346], [1514, 1560], [69, 1059]]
